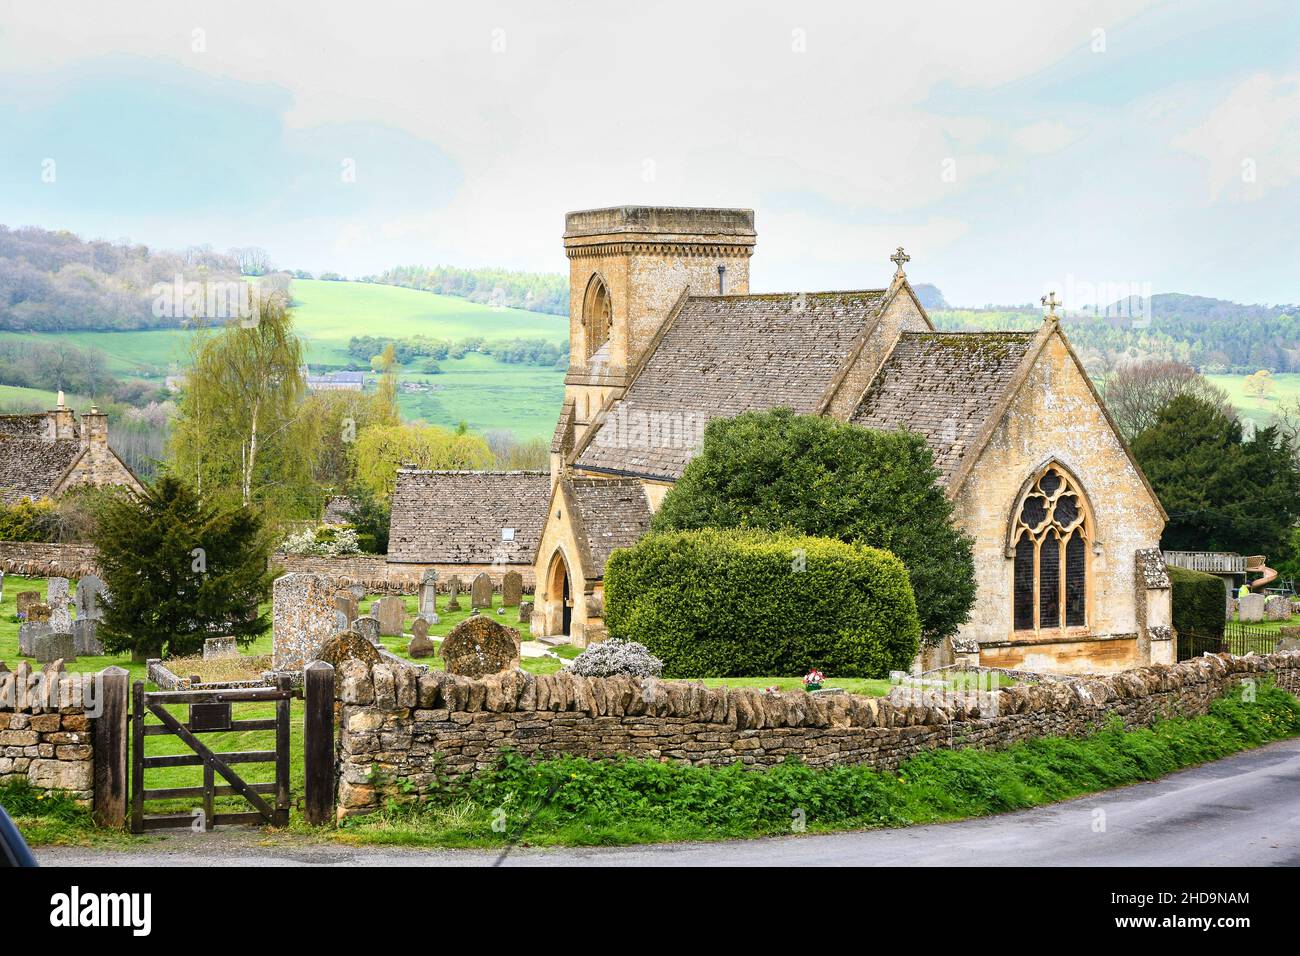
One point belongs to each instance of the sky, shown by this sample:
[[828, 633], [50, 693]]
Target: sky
[[1012, 148]]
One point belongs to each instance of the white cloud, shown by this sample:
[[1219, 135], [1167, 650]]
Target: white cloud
[[1045, 136], [1251, 140]]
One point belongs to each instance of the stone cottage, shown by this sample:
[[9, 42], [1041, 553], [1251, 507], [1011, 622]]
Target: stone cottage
[[464, 522], [665, 336], [45, 454]]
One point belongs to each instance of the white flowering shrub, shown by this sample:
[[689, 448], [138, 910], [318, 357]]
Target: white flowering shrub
[[616, 656], [326, 541]]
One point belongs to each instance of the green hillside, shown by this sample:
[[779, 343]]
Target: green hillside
[[476, 389]]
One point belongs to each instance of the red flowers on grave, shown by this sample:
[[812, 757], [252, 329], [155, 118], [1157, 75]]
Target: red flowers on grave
[[813, 680]]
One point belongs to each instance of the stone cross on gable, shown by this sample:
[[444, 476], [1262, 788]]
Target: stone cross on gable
[[898, 258], [1050, 303]]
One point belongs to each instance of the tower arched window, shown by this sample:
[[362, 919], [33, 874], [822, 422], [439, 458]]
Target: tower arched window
[[597, 315], [1051, 537]]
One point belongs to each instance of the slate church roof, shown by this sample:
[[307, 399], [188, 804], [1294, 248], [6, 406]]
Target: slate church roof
[[606, 513], [468, 517], [945, 385], [720, 356], [32, 463]]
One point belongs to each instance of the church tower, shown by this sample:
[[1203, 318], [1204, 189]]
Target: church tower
[[628, 267]]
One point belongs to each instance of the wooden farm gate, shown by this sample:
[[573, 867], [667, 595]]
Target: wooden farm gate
[[210, 711]]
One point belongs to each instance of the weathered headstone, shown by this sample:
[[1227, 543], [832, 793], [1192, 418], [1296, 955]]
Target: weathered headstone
[[478, 646], [1289, 644], [1252, 607], [368, 628], [390, 612], [358, 592], [38, 612], [85, 637], [90, 594], [346, 645], [215, 648], [26, 599], [1277, 608], [57, 593], [61, 618], [54, 646], [303, 618], [28, 631], [525, 611], [480, 593], [454, 587], [346, 602], [420, 645], [429, 592], [512, 589]]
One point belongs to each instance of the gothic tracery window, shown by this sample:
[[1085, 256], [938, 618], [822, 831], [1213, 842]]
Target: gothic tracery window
[[1050, 540]]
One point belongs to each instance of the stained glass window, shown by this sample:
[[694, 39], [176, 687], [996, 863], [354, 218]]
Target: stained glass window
[[1050, 574]]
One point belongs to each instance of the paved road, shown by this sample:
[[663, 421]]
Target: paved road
[[1244, 810]]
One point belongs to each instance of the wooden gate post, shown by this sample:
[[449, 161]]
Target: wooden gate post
[[318, 742], [110, 748]]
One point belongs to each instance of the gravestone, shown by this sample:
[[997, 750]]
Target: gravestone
[[420, 645], [2, 585], [85, 637], [57, 593], [1252, 607], [54, 646], [38, 612], [358, 592], [390, 612], [1277, 608], [479, 646], [303, 617], [90, 598], [480, 593], [61, 618], [28, 631], [368, 628], [346, 645], [345, 601], [1289, 644], [512, 589], [26, 599], [525, 611], [215, 648], [454, 587], [429, 593]]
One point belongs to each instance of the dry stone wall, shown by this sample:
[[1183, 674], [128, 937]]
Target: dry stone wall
[[401, 730], [45, 730]]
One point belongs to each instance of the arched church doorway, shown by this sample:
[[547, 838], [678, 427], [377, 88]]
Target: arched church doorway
[[558, 613]]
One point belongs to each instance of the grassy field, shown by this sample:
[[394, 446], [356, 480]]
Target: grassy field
[[1286, 387], [478, 390]]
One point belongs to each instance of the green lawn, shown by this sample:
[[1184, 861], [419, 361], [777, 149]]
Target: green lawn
[[1286, 387]]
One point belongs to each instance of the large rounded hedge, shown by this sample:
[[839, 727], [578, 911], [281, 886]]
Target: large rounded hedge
[[726, 603], [1200, 602]]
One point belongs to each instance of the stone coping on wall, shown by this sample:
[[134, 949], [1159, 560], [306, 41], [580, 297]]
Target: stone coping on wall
[[390, 687]]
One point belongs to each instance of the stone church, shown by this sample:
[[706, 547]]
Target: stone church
[[664, 336], [45, 454]]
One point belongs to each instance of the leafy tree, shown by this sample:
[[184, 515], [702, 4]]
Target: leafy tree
[[179, 570], [239, 426], [370, 517], [336, 418], [780, 471], [382, 449], [1222, 493], [1137, 391]]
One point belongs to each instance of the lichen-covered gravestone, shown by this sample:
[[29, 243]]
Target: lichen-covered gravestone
[[38, 612], [57, 596], [85, 635], [512, 589], [480, 594], [367, 628], [346, 645], [454, 587], [420, 645], [55, 646], [358, 592], [1277, 608], [302, 619], [479, 646], [25, 600], [390, 612], [90, 598], [525, 612], [28, 631]]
